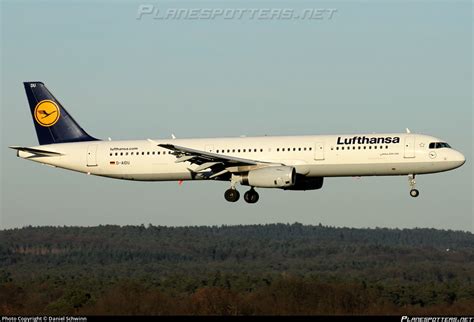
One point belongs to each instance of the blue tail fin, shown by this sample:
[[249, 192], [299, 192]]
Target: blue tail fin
[[53, 123]]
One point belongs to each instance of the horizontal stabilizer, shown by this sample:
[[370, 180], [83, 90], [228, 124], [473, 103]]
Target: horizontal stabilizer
[[40, 152]]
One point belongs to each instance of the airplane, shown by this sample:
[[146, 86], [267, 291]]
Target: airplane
[[284, 162]]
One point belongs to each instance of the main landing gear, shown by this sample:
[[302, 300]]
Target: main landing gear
[[232, 195], [251, 196], [412, 183]]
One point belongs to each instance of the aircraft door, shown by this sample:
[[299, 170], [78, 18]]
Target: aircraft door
[[409, 146], [92, 155], [319, 151]]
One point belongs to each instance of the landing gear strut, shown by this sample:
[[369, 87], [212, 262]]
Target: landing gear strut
[[251, 196], [232, 195], [411, 181]]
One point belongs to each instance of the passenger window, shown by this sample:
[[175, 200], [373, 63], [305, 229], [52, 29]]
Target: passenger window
[[121, 153], [305, 149], [337, 148], [110, 154], [310, 149], [299, 149], [278, 149], [261, 150], [359, 147]]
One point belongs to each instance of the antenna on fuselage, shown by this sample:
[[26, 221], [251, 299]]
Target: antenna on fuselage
[[408, 130]]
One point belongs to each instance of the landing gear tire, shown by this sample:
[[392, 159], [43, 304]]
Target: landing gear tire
[[414, 193], [251, 196], [412, 183], [232, 195]]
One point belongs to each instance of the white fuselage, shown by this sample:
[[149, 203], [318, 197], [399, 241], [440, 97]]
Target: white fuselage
[[312, 156]]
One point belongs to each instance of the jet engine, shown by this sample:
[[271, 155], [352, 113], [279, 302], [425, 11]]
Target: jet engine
[[270, 177]]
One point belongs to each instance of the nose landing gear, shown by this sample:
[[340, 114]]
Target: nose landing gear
[[412, 183]]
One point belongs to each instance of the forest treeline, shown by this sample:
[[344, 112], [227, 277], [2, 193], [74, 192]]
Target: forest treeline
[[256, 269]]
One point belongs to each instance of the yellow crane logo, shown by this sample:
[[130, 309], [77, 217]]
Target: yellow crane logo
[[47, 113]]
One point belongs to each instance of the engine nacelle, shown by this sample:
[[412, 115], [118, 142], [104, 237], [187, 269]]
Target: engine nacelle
[[270, 177], [304, 183]]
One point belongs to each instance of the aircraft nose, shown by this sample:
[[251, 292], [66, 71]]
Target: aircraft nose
[[459, 158]]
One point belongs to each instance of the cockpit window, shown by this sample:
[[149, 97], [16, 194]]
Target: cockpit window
[[439, 145]]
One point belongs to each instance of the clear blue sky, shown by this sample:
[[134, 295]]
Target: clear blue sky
[[374, 67]]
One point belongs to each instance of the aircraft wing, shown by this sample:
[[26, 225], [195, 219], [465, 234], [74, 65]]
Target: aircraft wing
[[218, 163]]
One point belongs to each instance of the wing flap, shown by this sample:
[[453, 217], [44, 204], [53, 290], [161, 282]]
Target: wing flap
[[205, 166]]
